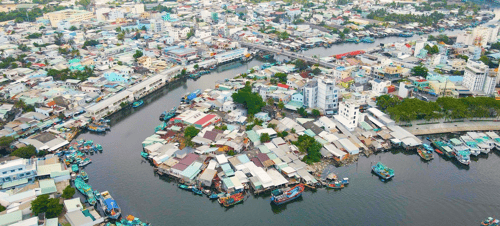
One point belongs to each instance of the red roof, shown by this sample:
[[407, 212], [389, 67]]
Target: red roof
[[39, 64], [204, 120], [421, 80], [51, 104], [283, 86], [347, 79], [188, 159]]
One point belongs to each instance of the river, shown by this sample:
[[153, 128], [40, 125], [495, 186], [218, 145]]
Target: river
[[438, 192]]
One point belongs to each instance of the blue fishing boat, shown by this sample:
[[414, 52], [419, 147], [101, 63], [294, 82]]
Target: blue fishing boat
[[185, 187], [170, 114], [137, 103], [345, 181], [367, 40], [109, 206], [197, 191], [428, 148], [74, 168], [279, 197], [383, 171]]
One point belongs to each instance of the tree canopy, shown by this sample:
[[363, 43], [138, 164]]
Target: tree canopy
[[190, 132], [420, 70], [311, 147], [49, 206], [68, 192], [25, 152], [252, 101], [265, 138], [449, 108]]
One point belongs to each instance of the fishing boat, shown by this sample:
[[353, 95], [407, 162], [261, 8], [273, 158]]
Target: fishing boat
[[130, 220], [144, 154], [424, 154], [336, 185], [91, 198], [196, 191], [185, 187], [345, 181], [438, 151], [279, 197], [98, 148], [495, 138], [137, 103], [471, 144], [85, 162], [231, 200], [367, 40], [383, 171], [213, 67], [216, 196], [109, 206], [428, 147], [74, 168], [169, 114], [462, 154], [444, 148], [490, 221], [84, 175]]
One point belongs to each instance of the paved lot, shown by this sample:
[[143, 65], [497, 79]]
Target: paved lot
[[453, 127]]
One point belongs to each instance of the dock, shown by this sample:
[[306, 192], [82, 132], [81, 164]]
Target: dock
[[453, 127]]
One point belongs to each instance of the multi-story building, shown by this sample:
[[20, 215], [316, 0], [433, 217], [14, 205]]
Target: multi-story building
[[70, 15], [348, 115], [475, 78], [327, 96], [16, 172], [321, 93]]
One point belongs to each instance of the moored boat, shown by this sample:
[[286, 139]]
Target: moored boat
[[196, 191], [109, 206], [336, 185], [137, 103], [490, 221], [231, 200], [279, 197], [84, 175], [462, 154], [424, 154], [144, 154], [383, 171]]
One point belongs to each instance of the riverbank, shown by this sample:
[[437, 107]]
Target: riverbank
[[454, 127]]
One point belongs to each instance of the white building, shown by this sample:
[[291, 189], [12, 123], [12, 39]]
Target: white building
[[16, 172], [475, 76], [348, 115], [327, 95], [481, 36], [321, 93]]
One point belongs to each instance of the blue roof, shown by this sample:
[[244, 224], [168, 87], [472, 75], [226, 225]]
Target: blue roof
[[243, 158], [111, 204]]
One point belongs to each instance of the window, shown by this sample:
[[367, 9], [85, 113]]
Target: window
[[4, 172], [13, 171], [20, 169], [28, 173]]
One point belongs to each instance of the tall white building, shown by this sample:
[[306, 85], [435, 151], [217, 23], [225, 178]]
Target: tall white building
[[321, 93], [327, 95], [348, 115], [481, 36], [476, 78]]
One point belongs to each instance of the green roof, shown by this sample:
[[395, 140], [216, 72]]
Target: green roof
[[310, 133], [13, 184], [252, 135], [47, 186], [10, 218], [263, 149], [52, 222]]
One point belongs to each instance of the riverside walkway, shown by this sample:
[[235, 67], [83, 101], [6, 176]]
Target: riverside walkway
[[453, 127]]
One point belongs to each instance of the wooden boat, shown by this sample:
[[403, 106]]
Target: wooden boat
[[424, 154], [279, 197], [438, 151], [231, 200], [336, 185], [383, 171], [196, 191]]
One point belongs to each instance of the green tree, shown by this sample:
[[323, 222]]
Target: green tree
[[25, 152], [73, 28], [137, 54], [265, 138], [420, 70], [5, 142], [466, 58], [315, 113], [118, 29], [316, 71], [282, 77], [270, 101], [49, 206], [300, 64], [252, 101], [120, 36], [302, 111], [13, 65], [196, 66], [2, 208], [292, 130], [68, 192], [190, 132], [281, 105]]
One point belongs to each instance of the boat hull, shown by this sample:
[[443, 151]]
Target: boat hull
[[274, 201]]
